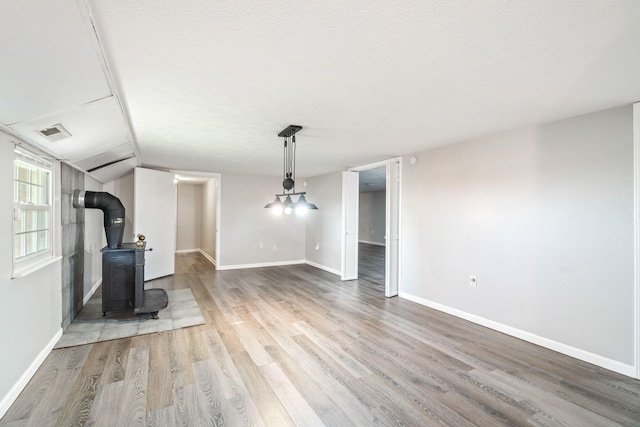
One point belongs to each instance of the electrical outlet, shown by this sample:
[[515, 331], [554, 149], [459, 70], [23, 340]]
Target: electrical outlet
[[275, 247], [473, 282], [261, 245], [317, 246]]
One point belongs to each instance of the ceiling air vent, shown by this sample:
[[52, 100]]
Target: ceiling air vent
[[54, 133]]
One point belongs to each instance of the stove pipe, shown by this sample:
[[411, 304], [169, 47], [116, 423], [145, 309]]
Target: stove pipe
[[111, 207]]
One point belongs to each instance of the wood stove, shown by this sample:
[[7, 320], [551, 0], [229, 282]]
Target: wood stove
[[123, 282], [122, 263]]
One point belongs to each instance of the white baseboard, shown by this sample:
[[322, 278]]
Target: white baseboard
[[258, 265], [186, 251], [596, 359], [201, 251], [92, 291], [208, 257], [17, 388], [371, 243], [323, 267]]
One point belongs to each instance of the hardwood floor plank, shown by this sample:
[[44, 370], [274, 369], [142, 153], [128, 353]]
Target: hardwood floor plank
[[371, 264], [567, 412], [160, 385], [196, 347], [396, 407], [36, 389], [422, 395], [106, 405], [328, 397], [47, 410], [248, 318], [186, 406], [294, 403], [76, 409], [163, 417], [236, 403], [116, 362], [251, 344], [295, 345], [235, 409], [179, 360], [338, 355], [209, 394], [134, 388], [270, 408], [319, 385]]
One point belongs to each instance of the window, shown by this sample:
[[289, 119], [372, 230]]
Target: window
[[31, 210]]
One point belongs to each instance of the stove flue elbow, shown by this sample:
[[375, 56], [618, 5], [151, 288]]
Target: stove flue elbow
[[111, 207]]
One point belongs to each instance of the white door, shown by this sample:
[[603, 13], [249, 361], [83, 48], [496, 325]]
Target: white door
[[392, 236], [350, 225], [154, 215]]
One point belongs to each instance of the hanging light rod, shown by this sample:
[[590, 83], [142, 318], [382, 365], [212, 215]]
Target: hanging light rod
[[299, 193], [289, 176], [289, 131]]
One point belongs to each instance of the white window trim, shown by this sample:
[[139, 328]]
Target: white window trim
[[34, 266], [34, 262]]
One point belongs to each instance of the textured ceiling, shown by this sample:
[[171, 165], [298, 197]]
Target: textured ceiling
[[207, 85], [373, 179]]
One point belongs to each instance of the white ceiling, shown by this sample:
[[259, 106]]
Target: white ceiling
[[207, 85], [373, 179], [54, 72]]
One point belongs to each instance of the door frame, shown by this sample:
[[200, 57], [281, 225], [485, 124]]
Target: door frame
[[391, 251], [636, 226], [208, 176]]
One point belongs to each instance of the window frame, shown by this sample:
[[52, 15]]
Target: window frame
[[25, 264]]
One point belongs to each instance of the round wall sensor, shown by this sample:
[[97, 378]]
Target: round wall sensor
[[413, 160]]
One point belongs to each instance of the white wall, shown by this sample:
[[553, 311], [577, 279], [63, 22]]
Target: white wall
[[189, 220], [543, 217], [30, 307], [209, 217], [94, 240], [372, 213], [324, 226], [244, 224]]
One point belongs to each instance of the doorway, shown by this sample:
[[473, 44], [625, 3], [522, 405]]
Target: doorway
[[351, 226], [197, 214], [372, 189]]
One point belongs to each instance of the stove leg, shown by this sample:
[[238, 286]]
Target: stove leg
[[154, 315]]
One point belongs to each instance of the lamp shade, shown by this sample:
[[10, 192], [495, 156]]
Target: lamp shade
[[273, 204], [302, 202]]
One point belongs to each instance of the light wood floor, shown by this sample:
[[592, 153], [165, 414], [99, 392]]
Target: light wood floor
[[293, 345], [371, 264]]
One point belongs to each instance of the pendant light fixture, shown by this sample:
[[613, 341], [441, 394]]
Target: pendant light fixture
[[289, 178]]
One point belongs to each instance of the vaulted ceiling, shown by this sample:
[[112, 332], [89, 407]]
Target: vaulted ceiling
[[206, 85]]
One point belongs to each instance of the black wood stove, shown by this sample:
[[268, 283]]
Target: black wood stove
[[123, 282], [122, 263]]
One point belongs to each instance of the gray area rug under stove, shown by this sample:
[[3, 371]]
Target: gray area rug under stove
[[90, 326]]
